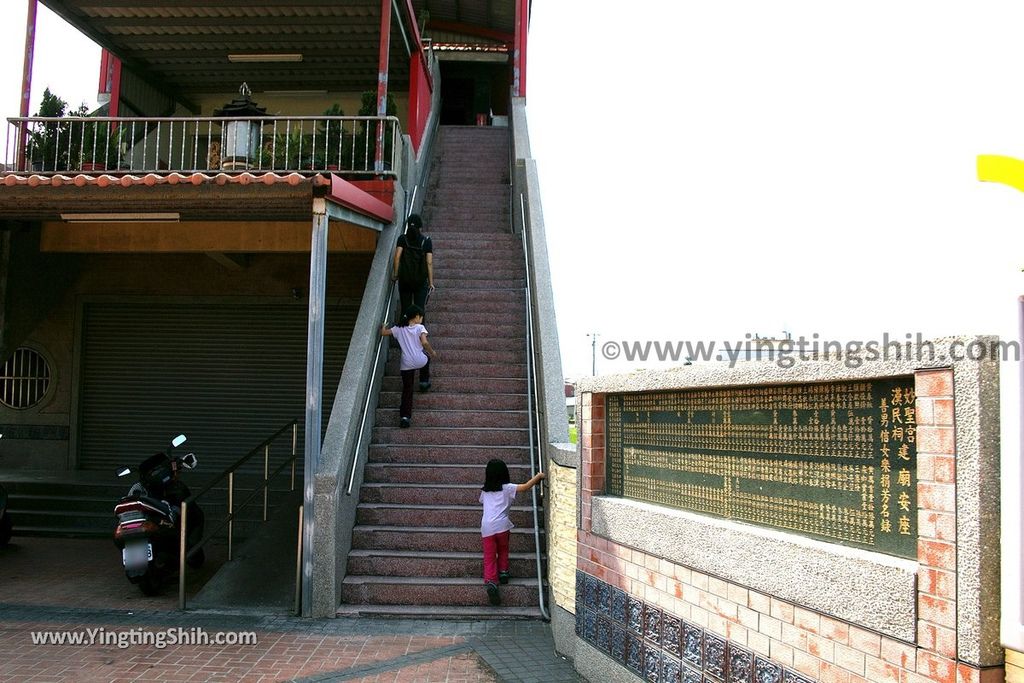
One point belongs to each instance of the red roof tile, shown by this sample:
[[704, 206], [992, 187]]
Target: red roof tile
[[150, 179]]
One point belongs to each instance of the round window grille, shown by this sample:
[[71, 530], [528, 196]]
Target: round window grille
[[24, 379]]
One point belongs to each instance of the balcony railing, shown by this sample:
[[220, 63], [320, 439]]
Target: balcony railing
[[353, 145]]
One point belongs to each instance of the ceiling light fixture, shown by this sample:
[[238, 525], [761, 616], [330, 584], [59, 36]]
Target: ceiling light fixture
[[294, 92], [168, 217], [247, 58]]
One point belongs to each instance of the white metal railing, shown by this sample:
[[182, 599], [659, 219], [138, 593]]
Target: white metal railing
[[185, 552], [533, 408], [304, 144]]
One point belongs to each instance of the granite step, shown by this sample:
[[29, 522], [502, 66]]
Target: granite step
[[459, 612], [503, 329], [420, 494], [402, 590], [468, 385], [378, 514], [415, 453], [444, 538], [375, 562], [492, 272], [437, 436], [436, 473], [459, 343], [469, 283], [505, 302], [462, 369], [457, 418], [470, 356], [436, 399], [476, 238], [448, 317]]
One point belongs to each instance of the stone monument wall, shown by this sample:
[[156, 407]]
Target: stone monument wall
[[707, 551]]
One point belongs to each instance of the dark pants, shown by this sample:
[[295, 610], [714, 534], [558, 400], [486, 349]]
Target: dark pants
[[408, 382], [408, 295]]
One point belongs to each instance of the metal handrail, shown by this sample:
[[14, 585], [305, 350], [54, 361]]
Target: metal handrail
[[167, 144], [376, 361], [229, 521], [369, 397], [531, 400]]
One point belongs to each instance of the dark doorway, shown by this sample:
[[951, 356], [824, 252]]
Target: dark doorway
[[457, 102], [470, 90]]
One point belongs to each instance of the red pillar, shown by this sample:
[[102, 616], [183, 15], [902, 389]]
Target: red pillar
[[110, 81], [519, 49], [420, 82], [382, 80], [26, 78], [115, 89]]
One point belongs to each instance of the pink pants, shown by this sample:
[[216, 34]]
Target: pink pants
[[495, 556]]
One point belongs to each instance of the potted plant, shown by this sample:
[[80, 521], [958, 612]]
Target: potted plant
[[332, 133], [102, 145], [49, 142], [366, 140], [290, 150]]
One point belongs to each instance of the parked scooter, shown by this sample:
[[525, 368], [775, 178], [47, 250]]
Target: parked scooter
[[6, 526], [149, 520]]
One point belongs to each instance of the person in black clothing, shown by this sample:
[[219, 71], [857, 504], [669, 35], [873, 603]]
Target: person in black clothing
[[414, 265]]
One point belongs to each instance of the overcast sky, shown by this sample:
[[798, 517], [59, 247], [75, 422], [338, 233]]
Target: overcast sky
[[716, 169]]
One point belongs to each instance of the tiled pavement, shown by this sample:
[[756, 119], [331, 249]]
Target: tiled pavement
[[60, 585]]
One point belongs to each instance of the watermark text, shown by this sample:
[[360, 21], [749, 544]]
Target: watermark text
[[124, 639], [786, 352]]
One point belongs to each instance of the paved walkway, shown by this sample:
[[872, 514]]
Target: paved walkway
[[61, 588]]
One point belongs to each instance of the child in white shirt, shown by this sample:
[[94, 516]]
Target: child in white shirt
[[416, 355], [497, 495]]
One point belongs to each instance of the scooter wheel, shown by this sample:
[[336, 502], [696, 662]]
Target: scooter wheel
[[197, 560], [6, 529], [149, 584]]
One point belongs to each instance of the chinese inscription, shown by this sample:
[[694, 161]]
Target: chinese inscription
[[834, 461]]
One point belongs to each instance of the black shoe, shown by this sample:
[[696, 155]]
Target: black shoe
[[493, 595], [425, 386], [404, 422], [503, 577]]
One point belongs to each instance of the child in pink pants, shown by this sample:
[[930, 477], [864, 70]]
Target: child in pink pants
[[497, 495]]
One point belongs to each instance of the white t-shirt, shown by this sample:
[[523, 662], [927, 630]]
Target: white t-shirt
[[496, 505], [413, 355]]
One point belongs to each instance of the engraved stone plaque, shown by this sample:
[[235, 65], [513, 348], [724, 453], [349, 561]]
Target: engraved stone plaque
[[835, 461]]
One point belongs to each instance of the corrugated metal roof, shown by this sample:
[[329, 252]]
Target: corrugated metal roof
[[183, 45]]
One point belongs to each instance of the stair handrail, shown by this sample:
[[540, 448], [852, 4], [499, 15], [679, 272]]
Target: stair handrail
[[229, 473], [369, 396], [534, 422], [376, 363]]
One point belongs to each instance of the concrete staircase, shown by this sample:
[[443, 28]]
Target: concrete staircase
[[416, 547], [80, 503]]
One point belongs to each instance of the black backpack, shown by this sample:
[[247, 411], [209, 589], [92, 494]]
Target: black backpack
[[412, 265]]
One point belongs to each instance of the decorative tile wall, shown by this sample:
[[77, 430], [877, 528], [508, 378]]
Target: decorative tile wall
[[659, 647]]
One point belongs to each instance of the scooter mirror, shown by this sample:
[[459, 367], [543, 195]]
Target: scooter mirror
[[124, 471], [178, 440], [189, 461]]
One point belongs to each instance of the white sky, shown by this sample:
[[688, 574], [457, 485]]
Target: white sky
[[712, 169]]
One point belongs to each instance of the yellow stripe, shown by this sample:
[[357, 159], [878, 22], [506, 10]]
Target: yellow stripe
[[994, 168]]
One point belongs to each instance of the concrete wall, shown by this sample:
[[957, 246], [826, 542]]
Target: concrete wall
[[776, 602]]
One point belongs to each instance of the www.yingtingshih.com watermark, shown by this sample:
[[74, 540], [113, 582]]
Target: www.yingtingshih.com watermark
[[786, 352], [124, 639]]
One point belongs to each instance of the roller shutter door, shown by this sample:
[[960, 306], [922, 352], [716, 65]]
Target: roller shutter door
[[226, 375]]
